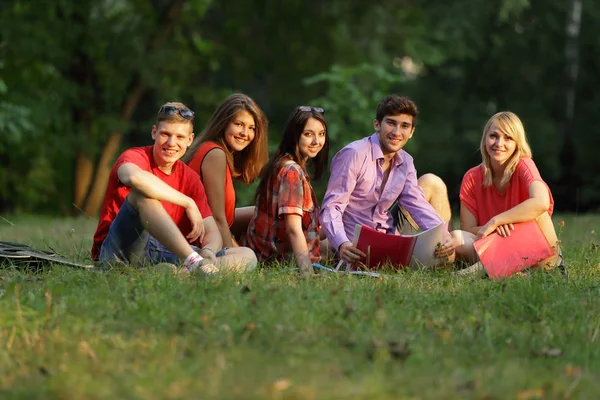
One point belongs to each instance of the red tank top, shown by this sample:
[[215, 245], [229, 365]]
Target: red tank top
[[196, 164]]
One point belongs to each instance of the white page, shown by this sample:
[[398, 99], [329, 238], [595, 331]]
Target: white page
[[425, 246]]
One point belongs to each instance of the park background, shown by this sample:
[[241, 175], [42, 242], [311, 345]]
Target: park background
[[81, 80]]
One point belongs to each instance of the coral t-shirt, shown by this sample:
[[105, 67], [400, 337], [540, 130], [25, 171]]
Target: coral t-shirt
[[196, 164], [487, 202], [182, 179]]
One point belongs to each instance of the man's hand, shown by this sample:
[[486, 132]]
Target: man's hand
[[350, 254], [197, 232], [444, 251]]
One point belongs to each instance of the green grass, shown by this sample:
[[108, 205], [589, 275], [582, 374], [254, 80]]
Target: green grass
[[73, 334]]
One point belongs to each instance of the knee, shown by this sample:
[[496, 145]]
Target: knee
[[138, 201], [250, 257], [432, 184], [239, 259]]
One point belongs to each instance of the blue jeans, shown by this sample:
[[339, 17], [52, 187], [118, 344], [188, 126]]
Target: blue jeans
[[128, 241]]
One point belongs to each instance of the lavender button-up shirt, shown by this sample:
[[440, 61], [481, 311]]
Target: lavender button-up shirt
[[354, 194]]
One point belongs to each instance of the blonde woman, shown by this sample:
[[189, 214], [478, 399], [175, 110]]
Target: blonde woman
[[506, 188]]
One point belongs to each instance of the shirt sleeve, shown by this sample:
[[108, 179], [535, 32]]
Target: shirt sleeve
[[290, 198], [413, 200], [342, 181], [135, 156], [528, 172], [467, 193]]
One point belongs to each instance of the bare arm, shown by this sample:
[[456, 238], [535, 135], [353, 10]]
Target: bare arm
[[153, 188], [212, 242], [468, 222], [537, 203], [293, 228], [213, 168]]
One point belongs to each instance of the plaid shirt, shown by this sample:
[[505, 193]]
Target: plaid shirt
[[288, 192]]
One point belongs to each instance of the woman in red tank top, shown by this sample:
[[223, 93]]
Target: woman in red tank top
[[233, 145]]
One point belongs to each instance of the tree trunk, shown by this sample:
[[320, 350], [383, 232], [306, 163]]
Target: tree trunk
[[97, 188], [569, 182], [111, 147]]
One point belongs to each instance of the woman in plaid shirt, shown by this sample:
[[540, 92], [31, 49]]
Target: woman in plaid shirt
[[286, 218]]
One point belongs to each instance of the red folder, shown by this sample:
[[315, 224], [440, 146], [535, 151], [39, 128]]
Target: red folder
[[504, 256], [398, 250]]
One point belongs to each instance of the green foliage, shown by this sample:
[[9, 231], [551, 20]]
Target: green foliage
[[68, 70], [130, 333]]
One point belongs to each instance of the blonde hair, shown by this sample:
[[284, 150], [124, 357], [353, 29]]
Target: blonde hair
[[245, 165], [509, 124], [163, 115]]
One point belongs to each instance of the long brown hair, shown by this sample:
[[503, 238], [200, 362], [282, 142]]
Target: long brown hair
[[245, 165]]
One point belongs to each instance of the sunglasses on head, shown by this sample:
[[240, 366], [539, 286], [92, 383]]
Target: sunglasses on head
[[309, 108], [171, 110]]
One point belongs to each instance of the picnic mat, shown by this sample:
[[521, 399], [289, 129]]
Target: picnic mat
[[21, 254]]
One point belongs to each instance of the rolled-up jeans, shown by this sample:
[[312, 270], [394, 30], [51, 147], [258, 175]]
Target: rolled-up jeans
[[128, 242]]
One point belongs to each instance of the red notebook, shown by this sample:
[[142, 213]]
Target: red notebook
[[504, 256], [399, 250]]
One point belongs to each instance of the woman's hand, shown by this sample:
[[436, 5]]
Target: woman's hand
[[502, 230]]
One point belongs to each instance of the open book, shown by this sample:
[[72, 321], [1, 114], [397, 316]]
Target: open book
[[503, 256], [398, 250]]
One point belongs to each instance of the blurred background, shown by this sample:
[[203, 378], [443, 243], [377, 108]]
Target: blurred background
[[82, 80]]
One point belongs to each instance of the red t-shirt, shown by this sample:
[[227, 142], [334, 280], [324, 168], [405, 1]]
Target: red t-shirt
[[182, 179], [196, 164], [487, 202]]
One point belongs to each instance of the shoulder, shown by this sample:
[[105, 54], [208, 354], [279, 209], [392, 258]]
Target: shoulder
[[405, 157], [473, 178], [526, 164], [140, 156], [354, 151], [474, 173], [287, 167], [204, 149], [215, 154], [145, 151]]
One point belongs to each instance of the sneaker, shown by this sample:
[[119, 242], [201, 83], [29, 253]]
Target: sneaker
[[207, 269]]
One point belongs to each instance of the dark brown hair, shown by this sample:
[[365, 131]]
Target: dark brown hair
[[395, 105]]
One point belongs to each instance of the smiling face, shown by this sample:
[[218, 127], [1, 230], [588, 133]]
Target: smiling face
[[393, 132], [240, 131], [311, 139], [171, 140], [499, 145]]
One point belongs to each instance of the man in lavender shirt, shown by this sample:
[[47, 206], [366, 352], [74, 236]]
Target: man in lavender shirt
[[371, 174]]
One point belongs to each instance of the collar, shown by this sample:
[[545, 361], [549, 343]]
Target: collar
[[377, 154]]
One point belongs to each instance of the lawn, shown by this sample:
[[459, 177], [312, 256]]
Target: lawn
[[77, 334]]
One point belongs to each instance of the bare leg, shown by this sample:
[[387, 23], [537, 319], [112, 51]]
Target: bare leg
[[547, 227], [436, 194], [159, 224], [237, 259], [242, 218], [463, 244]]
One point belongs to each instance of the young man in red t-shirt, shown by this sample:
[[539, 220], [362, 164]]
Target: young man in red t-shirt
[[155, 208]]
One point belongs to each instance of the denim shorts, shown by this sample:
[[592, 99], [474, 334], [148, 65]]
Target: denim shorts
[[128, 242]]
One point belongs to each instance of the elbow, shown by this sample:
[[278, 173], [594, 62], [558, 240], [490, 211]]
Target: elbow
[[542, 206]]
